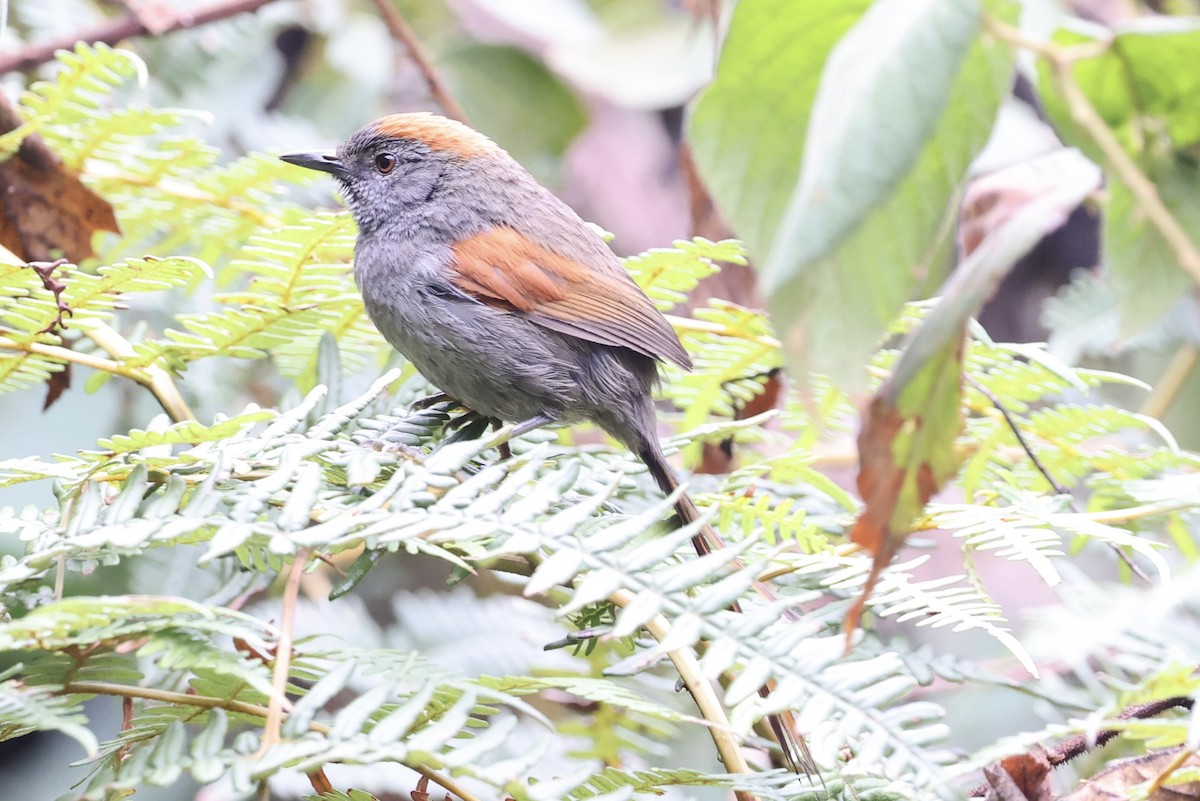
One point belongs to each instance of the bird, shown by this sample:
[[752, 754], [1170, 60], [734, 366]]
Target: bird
[[499, 293]]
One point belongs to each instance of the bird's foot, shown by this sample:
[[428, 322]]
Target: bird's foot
[[420, 404]]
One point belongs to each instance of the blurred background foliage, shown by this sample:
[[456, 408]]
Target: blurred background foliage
[[599, 99]]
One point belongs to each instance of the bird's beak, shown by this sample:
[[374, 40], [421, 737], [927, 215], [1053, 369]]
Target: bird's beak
[[324, 162]]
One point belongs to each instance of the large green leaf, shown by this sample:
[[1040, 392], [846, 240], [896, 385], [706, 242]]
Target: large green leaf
[[906, 100], [907, 444], [747, 128], [1143, 84], [1140, 266]]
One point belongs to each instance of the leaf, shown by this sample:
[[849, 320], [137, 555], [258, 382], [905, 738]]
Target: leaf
[[906, 447], [1141, 84], [1021, 777], [188, 432], [47, 210], [747, 128], [1140, 267], [24, 710], [832, 293], [882, 163]]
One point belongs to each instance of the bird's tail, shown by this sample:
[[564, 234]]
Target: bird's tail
[[796, 754], [651, 454]]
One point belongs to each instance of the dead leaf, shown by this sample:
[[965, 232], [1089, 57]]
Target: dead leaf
[[56, 385], [1022, 777], [906, 447], [1114, 782], [47, 212]]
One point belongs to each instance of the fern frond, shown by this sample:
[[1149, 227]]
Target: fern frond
[[842, 703], [24, 710], [1030, 528], [28, 310], [668, 274], [733, 352], [85, 621], [300, 288], [88, 75]]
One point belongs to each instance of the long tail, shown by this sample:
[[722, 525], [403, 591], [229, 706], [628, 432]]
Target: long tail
[[706, 539], [796, 754]]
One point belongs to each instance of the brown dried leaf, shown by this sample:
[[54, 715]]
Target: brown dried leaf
[[45, 210], [906, 448], [56, 385], [1023, 777], [1114, 783]]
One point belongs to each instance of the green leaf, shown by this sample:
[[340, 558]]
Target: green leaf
[[870, 220], [870, 120], [1141, 267], [24, 710], [1143, 84], [747, 128], [186, 433]]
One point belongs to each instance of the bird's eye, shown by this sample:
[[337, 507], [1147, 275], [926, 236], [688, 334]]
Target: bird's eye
[[385, 163]]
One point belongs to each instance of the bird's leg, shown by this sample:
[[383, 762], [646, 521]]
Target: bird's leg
[[505, 450], [472, 424], [523, 427]]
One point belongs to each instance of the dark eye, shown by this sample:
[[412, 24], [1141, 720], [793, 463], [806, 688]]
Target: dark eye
[[385, 163]]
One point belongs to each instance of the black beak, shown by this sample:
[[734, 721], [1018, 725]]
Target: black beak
[[323, 162]]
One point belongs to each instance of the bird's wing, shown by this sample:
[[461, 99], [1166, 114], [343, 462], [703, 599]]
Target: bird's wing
[[506, 270]]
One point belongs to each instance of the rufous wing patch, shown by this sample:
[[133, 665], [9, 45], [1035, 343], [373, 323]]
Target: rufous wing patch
[[506, 270], [439, 133]]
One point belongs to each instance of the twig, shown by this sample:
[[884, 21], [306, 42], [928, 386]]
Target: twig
[[1041, 468], [1025, 446], [1079, 744], [230, 705], [1175, 764], [125, 28], [1167, 388], [402, 33], [1145, 193], [157, 380], [283, 653], [45, 271], [702, 692]]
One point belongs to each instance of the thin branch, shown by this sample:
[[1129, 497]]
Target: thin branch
[[1167, 388], [1145, 193], [1016, 430], [283, 653], [124, 28], [702, 692], [1041, 468], [230, 705], [169, 697], [67, 355], [1080, 744], [153, 377], [437, 87]]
